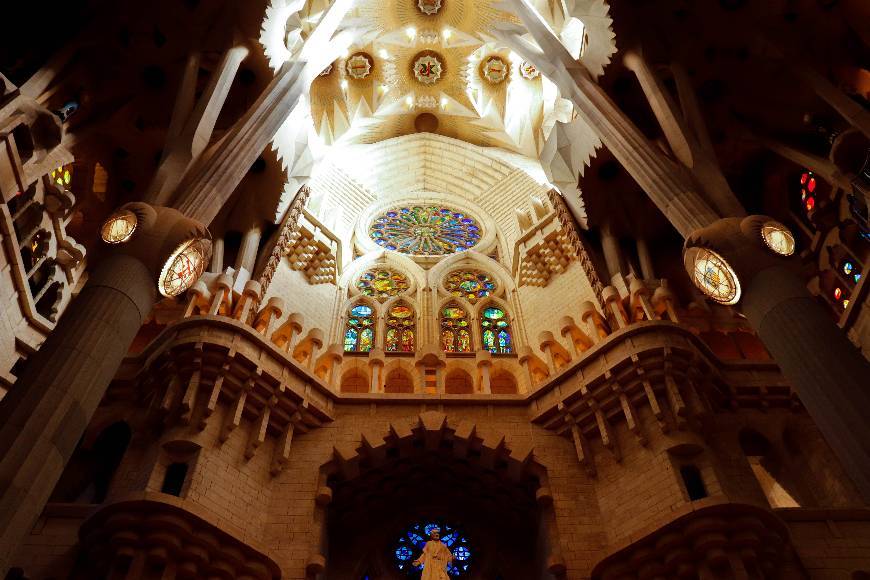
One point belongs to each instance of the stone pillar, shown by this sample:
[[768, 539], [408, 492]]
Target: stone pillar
[[217, 256], [484, 365], [645, 259], [612, 252], [376, 367], [669, 186], [826, 370], [248, 250], [45, 415]]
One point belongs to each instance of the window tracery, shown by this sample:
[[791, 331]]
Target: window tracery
[[383, 283], [455, 328], [359, 332], [425, 231], [470, 284], [495, 331], [401, 328]]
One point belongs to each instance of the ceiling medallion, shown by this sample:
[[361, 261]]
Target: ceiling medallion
[[428, 69], [429, 7], [495, 70], [359, 66], [529, 71]]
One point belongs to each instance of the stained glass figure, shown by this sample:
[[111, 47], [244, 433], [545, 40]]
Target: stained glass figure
[[425, 231], [382, 283], [496, 331], [359, 333], [455, 334], [469, 284], [401, 328], [410, 545]]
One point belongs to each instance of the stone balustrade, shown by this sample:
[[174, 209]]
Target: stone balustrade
[[40, 263]]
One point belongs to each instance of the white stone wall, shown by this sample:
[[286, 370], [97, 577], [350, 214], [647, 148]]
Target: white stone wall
[[316, 303]]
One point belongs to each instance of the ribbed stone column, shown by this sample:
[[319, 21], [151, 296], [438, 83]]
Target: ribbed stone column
[[829, 374], [44, 416], [826, 370]]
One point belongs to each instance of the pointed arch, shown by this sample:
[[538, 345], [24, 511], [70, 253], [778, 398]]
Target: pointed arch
[[360, 326], [496, 330], [455, 326], [400, 326]]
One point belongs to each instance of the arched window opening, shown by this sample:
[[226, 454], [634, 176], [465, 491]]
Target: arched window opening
[[496, 331], [502, 382], [693, 482], [359, 333], [173, 480], [401, 328], [354, 381], [410, 544], [458, 382], [398, 381], [767, 469], [382, 284], [455, 334], [469, 284]]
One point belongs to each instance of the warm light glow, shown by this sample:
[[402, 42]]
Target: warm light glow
[[444, 102], [344, 84], [411, 32], [714, 276], [383, 53], [409, 100], [446, 33], [777, 237], [119, 227], [184, 267]]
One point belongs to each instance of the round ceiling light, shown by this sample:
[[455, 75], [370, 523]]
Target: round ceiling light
[[184, 267], [429, 7], [778, 238], [428, 69], [359, 66], [119, 227], [529, 71], [495, 70], [713, 276]]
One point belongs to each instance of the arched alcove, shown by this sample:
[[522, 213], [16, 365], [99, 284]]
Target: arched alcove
[[502, 382], [354, 381], [398, 381], [458, 382], [434, 474]]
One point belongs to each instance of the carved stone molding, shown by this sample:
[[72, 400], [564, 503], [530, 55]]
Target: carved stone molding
[[723, 540], [157, 531]]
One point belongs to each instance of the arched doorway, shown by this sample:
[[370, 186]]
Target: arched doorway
[[483, 499]]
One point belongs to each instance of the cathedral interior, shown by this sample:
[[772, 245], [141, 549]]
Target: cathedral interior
[[288, 285]]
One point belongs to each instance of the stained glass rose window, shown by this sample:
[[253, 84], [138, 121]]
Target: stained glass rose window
[[425, 230]]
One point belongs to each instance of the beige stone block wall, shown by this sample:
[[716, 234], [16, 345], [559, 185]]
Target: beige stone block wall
[[543, 307], [315, 302]]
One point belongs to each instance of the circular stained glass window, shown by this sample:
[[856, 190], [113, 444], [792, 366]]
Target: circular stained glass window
[[119, 227], [425, 230], [184, 267], [777, 237], [409, 548], [469, 284], [382, 284], [713, 276]]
